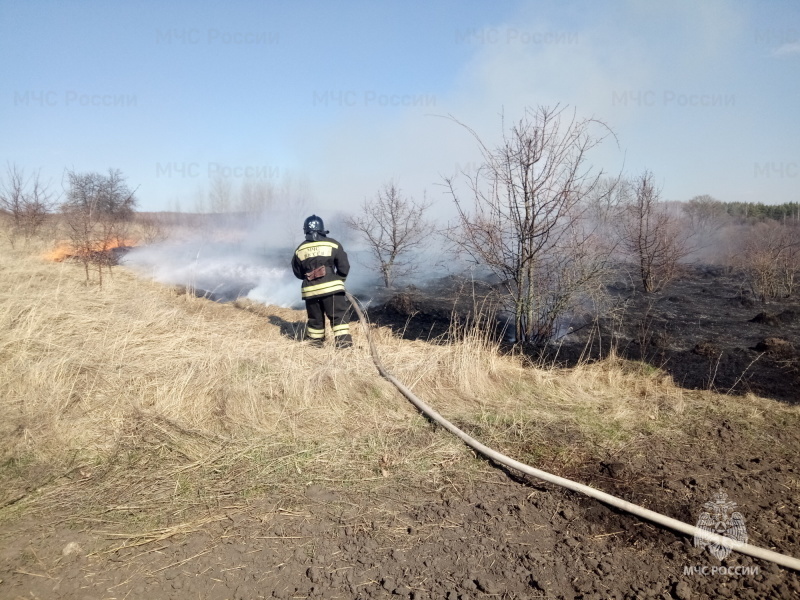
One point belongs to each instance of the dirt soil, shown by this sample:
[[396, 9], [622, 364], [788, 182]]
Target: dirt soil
[[505, 537]]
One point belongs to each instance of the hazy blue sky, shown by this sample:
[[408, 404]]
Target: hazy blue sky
[[345, 94]]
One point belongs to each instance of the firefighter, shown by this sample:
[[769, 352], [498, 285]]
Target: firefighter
[[322, 264]]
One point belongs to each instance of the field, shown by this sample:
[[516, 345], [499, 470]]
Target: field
[[160, 445]]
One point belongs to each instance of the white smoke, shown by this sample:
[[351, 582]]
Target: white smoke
[[277, 292], [220, 271], [229, 256]]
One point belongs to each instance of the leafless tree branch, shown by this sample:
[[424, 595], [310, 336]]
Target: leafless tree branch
[[527, 221], [395, 228], [26, 202], [97, 210], [654, 237]]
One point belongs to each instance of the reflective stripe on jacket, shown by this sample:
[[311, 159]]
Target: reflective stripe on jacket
[[313, 254]]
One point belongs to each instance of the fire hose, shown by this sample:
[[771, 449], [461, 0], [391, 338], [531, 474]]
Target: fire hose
[[644, 513]]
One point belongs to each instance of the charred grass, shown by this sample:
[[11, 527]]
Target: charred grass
[[144, 412]]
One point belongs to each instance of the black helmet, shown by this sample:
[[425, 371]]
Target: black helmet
[[314, 224]]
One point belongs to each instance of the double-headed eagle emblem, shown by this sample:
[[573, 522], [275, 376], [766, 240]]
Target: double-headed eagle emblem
[[720, 517]]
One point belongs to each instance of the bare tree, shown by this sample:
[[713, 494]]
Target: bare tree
[[256, 197], [12, 199], [708, 220], [654, 237], [705, 214], [394, 228], [528, 223], [789, 262], [769, 256], [200, 204], [220, 195], [97, 210], [152, 228], [26, 201]]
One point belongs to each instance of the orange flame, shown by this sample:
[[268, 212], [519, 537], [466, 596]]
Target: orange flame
[[65, 250], [61, 252]]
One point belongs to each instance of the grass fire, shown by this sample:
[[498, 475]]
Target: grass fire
[[105, 251], [153, 436]]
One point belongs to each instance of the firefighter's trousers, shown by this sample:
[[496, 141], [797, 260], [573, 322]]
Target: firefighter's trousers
[[335, 307]]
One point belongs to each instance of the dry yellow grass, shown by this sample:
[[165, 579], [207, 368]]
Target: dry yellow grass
[[142, 403]]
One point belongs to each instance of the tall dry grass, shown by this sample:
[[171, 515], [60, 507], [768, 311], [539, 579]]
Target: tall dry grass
[[147, 405]]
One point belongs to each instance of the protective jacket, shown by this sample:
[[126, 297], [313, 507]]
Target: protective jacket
[[322, 265]]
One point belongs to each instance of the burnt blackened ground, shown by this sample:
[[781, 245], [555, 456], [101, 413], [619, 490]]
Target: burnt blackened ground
[[706, 329]]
